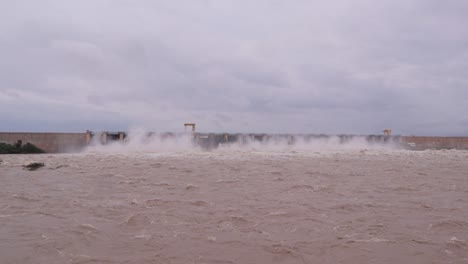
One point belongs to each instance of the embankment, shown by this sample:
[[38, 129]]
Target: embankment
[[49, 142]]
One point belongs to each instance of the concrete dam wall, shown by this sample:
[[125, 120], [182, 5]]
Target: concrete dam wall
[[403, 142], [421, 143], [73, 142], [49, 142]]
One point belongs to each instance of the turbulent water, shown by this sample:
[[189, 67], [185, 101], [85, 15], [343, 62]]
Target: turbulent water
[[349, 206]]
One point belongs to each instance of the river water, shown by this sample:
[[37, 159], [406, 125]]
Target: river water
[[340, 206]]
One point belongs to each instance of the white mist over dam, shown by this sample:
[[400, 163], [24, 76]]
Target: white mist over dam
[[142, 140]]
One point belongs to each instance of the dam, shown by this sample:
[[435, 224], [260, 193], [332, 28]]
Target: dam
[[75, 142]]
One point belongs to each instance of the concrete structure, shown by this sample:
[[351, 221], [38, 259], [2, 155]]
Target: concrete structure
[[421, 143], [72, 142], [212, 140], [49, 142]]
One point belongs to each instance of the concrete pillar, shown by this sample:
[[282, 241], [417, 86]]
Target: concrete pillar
[[121, 136], [104, 137], [226, 137], [88, 137]]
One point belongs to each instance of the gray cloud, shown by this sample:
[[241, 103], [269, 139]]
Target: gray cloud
[[354, 66]]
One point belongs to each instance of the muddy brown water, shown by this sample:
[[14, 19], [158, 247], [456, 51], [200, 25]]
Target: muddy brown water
[[376, 206]]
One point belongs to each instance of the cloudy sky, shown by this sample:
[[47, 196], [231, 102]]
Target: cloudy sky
[[301, 66]]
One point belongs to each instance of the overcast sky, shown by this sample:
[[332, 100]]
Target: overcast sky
[[297, 66]]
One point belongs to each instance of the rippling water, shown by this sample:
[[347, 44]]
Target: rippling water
[[354, 206]]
